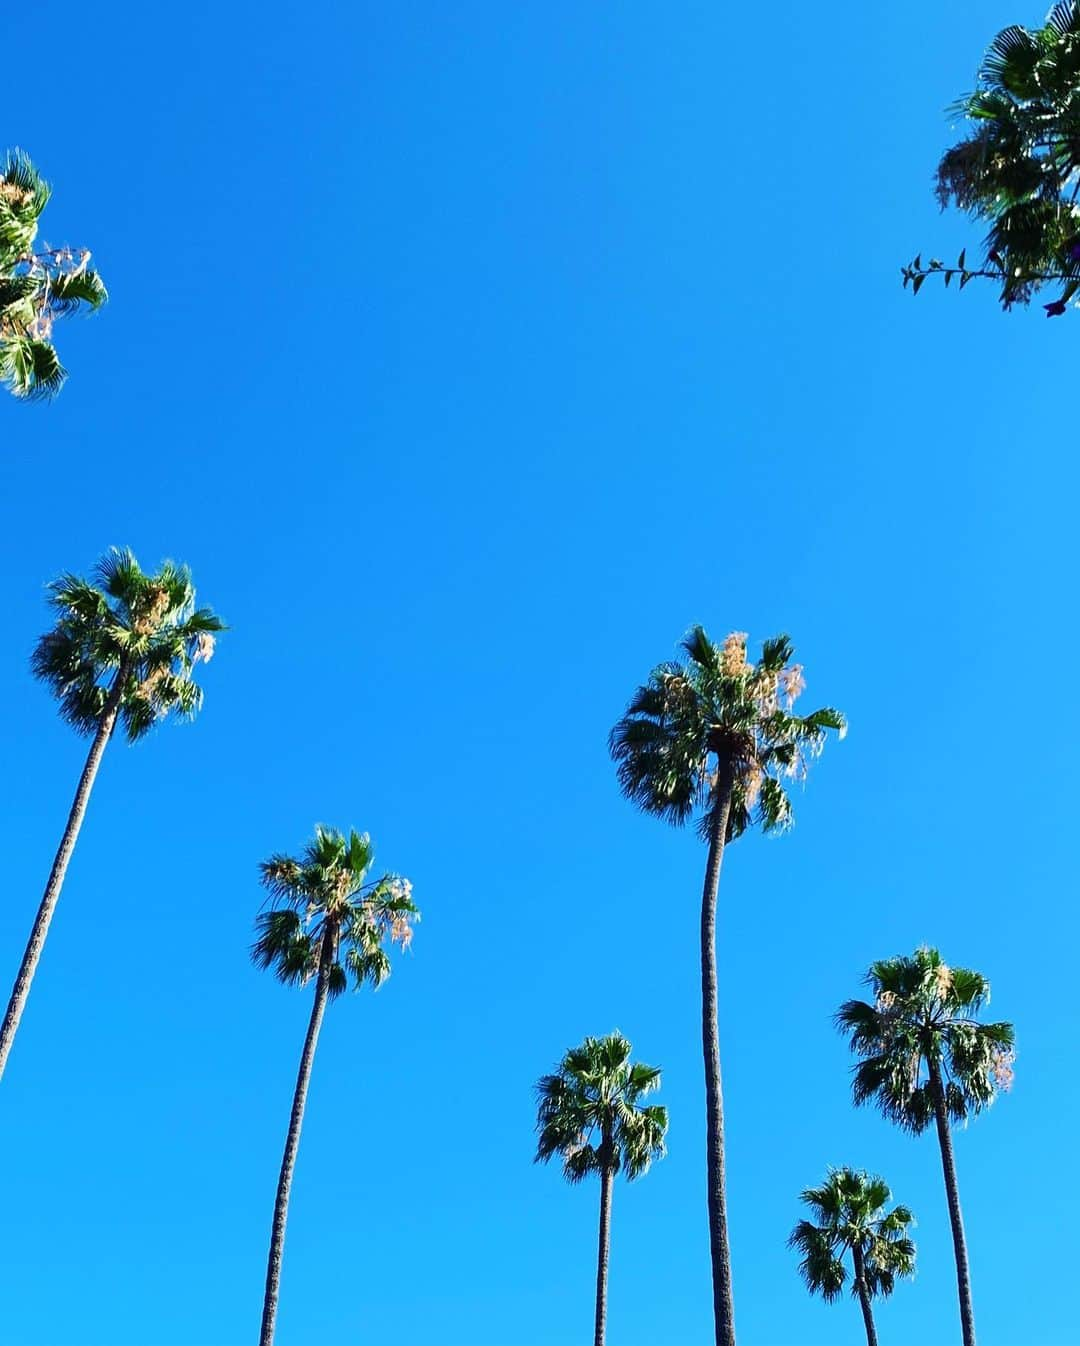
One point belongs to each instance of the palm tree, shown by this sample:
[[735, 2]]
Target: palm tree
[[326, 921], [1018, 168], [717, 737], [849, 1216], [926, 1060], [124, 649], [590, 1114], [36, 287]]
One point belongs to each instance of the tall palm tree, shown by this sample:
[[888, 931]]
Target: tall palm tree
[[926, 1059], [123, 649], [326, 922], [590, 1114], [37, 286], [849, 1216], [1018, 169], [717, 737]]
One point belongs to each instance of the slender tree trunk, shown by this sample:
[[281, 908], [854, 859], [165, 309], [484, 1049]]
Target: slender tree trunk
[[288, 1159], [723, 1304], [21, 990], [607, 1182], [864, 1295], [956, 1218]]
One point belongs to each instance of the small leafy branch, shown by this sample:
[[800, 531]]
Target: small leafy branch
[[915, 273]]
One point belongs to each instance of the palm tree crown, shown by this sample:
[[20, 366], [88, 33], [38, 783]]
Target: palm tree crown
[[590, 1111], [138, 634], [1019, 167], [693, 723], [848, 1213], [922, 1025], [36, 287], [326, 913]]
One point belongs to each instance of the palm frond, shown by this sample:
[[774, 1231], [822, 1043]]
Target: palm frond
[[1011, 62], [698, 647], [59, 660], [30, 366], [819, 1266], [369, 966], [283, 878], [23, 196], [71, 291], [283, 944], [120, 576], [15, 289], [776, 653]]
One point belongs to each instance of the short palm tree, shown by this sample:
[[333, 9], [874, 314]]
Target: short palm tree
[[590, 1114], [326, 922], [849, 1217], [123, 650], [716, 737], [37, 286], [927, 1060], [1018, 169]]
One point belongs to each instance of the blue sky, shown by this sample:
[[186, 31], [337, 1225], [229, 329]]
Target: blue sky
[[469, 353]]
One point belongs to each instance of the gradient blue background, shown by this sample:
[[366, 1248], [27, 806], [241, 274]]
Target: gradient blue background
[[470, 352]]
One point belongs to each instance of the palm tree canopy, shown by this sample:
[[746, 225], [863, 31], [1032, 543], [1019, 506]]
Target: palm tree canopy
[[1018, 168], [590, 1113], [923, 1015], [718, 711], [36, 287], [848, 1212], [123, 622], [325, 904]]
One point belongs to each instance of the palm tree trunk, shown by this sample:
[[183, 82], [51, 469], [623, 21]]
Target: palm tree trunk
[[288, 1159], [864, 1295], [21, 990], [607, 1182], [952, 1192], [723, 1304]]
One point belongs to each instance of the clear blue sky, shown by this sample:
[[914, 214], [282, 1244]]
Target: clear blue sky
[[469, 353]]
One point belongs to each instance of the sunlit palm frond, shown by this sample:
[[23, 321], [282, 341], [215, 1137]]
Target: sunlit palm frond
[[71, 291], [30, 366]]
